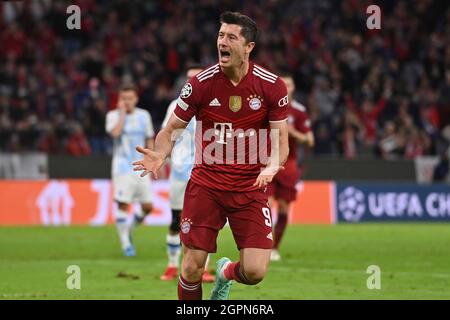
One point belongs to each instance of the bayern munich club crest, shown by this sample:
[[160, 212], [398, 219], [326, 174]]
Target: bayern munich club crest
[[254, 102], [185, 225]]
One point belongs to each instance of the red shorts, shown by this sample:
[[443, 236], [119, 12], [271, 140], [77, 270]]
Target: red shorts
[[283, 184], [206, 211]]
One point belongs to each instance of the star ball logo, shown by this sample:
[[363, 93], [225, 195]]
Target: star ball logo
[[352, 204], [186, 91]]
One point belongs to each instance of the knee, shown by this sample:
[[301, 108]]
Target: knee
[[192, 270], [122, 206], [254, 274], [283, 207], [146, 209]]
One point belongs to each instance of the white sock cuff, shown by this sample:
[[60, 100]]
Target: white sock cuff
[[140, 214], [121, 214], [173, 239]]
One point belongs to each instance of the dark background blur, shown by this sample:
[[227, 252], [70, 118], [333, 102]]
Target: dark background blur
[[370, 93]]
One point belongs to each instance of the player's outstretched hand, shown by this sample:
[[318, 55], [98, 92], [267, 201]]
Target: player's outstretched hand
[[151, 162], [266, 176]]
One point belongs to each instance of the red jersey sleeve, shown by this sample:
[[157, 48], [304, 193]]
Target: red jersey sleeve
[[188, 101], [302, 123], [278, 102]]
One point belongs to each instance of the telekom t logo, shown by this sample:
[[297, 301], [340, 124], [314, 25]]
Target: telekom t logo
[[220, 131]]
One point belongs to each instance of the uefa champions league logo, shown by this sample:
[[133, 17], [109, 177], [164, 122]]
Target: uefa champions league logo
[[351, 204], [186, 91]]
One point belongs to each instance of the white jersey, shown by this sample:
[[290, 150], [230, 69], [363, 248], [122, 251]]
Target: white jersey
[[137, 128], [183, 152]]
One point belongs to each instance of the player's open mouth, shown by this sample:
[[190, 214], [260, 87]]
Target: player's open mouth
[[225, 56]]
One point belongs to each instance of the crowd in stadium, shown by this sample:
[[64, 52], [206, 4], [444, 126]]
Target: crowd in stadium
[[368, 92]]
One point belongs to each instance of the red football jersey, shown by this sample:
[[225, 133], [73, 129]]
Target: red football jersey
[[299, 119], [232, 124]]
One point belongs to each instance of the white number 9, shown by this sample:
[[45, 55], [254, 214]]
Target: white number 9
[[268, 220]]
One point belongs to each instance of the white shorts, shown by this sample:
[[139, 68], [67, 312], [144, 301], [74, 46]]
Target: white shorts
[[130, 188], [176, 193]]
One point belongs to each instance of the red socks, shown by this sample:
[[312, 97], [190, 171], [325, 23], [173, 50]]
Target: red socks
[[189, 290], [233, 272], [280, 227]]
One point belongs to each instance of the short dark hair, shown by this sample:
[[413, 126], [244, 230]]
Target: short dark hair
[[128, 86], [249, 28]]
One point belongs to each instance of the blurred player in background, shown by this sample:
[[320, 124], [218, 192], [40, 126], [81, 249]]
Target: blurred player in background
[[129, 126], [282, 189], [181, 163], [234, 100]]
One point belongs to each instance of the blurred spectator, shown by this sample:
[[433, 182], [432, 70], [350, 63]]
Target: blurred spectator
[[323, 136], [442, 169], [77, 143], [386, 90], [350, 135], [48, 141], [390, 143], [94, 124]]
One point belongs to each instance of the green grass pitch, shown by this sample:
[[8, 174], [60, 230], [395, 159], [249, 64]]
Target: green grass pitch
[[319, 262]]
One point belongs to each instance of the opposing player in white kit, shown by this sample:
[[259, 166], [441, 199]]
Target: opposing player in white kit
[[129, 126], [181, 163]]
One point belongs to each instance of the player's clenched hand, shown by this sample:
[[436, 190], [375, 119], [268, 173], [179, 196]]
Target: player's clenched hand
[[266, 176], [151, 162]]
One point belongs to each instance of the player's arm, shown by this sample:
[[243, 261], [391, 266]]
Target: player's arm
[[302, 138], [169, 113], [116, 130], [150, 134], [166, 138], [164, 142], [277, 102], [279, 142], [278, 155]]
